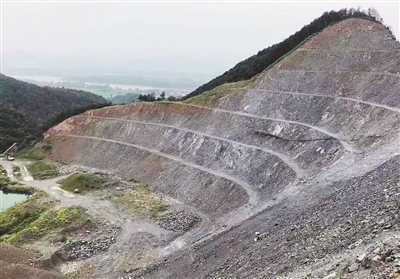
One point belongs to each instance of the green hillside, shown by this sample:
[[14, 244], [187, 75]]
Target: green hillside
[[26, 110]]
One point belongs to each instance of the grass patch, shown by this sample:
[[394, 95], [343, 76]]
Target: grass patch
[[140, 201], [156, 209], [42, 170], [17, 171], [7, 186], [19, 216], [3, 172], [30, 154], [218, 92], [47, 222], [47, 148], [83, 182]]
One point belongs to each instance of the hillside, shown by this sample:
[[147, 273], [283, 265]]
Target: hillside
[[125, 99], [306, 154], [265, 58], [18, 263], [27, 109]]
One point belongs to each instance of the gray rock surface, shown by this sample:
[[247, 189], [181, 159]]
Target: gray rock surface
[[307, 154]]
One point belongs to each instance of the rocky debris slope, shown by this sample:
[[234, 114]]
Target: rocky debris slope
[[302, 154], [302, 232], [382, 262], [19, 263], [84, 249], [177, 220]]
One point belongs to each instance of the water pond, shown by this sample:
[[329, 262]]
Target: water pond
[[8, 200]]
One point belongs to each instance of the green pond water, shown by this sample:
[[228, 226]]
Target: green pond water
[[8, 200]]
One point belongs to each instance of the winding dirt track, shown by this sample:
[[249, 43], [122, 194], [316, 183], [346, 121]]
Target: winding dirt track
[[253, 197], [328, 96], [285, 159], [339, 71], [105, 211], [347, 146], [347, 50]]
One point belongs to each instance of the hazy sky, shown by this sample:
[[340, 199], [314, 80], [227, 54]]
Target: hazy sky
[[203, 37]]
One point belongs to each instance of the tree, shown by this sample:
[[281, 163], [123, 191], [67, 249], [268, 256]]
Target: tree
[[147, 98], [162, 97], [171, 98], [265, 58], [372, 12]]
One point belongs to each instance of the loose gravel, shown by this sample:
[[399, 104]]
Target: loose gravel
[[177, 220]]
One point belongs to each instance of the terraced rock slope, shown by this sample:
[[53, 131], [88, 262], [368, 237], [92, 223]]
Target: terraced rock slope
[[301, 153]]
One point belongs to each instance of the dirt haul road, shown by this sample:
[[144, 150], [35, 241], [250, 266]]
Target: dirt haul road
[[152, 237]]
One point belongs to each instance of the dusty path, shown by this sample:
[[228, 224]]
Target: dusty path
[[206, 231], [347, 50], [347, 146], [285, 159], [394, 109], [328, 96], [102, 208], [253, 197], [339, 71], [24, 172], [8, 166], [106, 212]]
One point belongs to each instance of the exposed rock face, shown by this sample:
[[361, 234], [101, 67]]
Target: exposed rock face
[[318, 123]]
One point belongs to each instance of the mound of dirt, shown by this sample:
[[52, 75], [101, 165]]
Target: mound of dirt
[[18, 263]]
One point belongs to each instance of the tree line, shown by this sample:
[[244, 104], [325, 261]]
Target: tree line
[[152, 97], [28, 110], [263, 59]]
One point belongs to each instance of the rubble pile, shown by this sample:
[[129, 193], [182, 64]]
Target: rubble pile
[[85, 249], [177, 220], [382, 262]]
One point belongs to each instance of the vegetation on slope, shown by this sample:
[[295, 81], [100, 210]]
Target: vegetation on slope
[[83, 182], [42, 170], [140, 201], [46, 222], [18, 217], [43, 103], [265, 58], [218, 92], [35, 218], [125, 99], [16, 127], [30, 154], [7, 186], [27, 110]]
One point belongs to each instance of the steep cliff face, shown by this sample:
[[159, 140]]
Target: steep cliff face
[[328, 112]]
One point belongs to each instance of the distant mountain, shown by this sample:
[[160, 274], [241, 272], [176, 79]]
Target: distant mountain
[[26, 110], [267, 57]]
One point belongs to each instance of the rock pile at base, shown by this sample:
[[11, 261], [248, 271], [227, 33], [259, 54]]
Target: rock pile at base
[[177, 220], [85, 249], [383, 262]]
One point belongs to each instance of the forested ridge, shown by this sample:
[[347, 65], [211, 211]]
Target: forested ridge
[[27, 110], [257, 63]]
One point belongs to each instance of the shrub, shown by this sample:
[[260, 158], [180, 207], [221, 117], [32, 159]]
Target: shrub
[[42, 170], [83, 182]]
